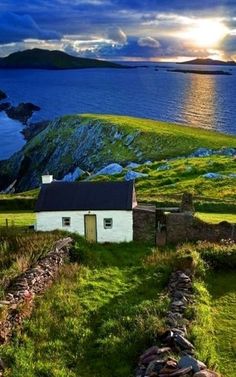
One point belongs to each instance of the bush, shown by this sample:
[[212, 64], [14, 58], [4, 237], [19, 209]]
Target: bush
[[218, 255]]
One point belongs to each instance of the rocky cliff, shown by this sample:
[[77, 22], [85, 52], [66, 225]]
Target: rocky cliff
[[90, 142]]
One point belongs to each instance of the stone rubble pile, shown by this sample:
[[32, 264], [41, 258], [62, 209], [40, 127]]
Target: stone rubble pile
[[20, 294], [176, 356]]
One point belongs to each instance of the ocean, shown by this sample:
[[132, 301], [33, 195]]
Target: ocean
[[207, 101]]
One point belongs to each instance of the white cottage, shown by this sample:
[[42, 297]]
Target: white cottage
[[100, 211]]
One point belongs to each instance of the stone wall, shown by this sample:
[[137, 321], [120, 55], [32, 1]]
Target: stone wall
[[182, 227], [18, 302], [144, 224]]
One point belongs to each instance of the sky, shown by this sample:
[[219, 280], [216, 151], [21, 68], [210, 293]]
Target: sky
[[121, 30]]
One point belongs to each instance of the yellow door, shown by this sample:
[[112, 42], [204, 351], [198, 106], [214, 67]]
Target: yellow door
[[90, 224]]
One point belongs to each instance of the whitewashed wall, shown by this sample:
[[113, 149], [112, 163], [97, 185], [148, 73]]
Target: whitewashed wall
[[122, 229]]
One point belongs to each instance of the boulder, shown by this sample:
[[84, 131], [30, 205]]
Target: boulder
[[4, 106], [110, 169], [132, 165], [189, 361], [2, 95], [71, 177], [131, 175], [213, 175], [22, 112]]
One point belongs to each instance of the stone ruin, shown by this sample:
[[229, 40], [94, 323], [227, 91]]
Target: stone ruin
[[160, 226]]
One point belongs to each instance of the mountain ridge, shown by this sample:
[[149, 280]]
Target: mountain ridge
[[51, 59], [208, 61]]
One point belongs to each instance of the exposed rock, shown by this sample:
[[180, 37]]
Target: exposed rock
[[202, 152], [2, 95], [34, 129], [187, 361], [4, 106], [110, 169], [132, 165], [213, 175], [131, 175], [71, 177], [22, 112]]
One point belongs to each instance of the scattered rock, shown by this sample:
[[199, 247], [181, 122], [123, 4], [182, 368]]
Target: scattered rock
[[22, 112], [2, 95], [202, 152], [110, 169], [131, 175]]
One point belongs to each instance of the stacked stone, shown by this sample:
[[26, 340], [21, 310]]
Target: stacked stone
[[21, 292], [158, 362]]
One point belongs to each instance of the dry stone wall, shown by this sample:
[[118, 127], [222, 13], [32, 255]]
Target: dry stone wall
[[20, 294]]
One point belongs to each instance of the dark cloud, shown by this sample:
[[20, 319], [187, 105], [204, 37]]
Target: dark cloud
[[137, 28], [15, 28]]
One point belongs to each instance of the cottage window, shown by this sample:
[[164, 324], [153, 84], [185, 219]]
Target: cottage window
[[65, 221], [107, 223]]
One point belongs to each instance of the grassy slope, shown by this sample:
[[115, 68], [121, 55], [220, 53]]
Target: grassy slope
[[222, 289], [96, 319], [156, 139]]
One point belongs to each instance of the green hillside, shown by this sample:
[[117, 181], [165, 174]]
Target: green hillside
[[90, 142]]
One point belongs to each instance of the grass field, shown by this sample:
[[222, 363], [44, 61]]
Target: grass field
[[216, 218], [96, 320], [17, 218], [222, 288]]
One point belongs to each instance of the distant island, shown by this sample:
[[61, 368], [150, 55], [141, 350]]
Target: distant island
[[200, 72], [200, 61], [46, 59]]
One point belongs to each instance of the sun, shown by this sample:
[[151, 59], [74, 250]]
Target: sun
[[206, 33]]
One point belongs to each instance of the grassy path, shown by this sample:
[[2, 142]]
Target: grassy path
[[96, 320], [222, 287]]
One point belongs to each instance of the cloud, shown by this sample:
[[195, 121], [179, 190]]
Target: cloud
[[15, 28], [117, 35], [149, 41]]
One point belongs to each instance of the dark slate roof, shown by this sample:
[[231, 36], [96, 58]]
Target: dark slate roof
[[72, 196]]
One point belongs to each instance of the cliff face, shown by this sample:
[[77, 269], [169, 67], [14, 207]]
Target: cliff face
[[90, 142], [66, 144]]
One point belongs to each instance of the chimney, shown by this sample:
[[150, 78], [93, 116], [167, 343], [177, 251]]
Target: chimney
[[47, 178]]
